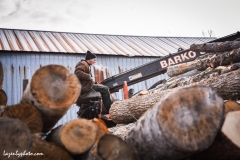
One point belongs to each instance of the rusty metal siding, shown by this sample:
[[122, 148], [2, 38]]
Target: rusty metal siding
[[63, 42], [19, 66]]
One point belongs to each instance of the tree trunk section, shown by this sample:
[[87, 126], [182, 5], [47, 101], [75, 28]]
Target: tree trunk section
[[110, 147], [215, 46], [226, 144], [52, 91], [15, 137], [26, 113], [47, 151], [76, 136], [181, 68], [3, 98], [193, 113], [128, 111], [225, 58]]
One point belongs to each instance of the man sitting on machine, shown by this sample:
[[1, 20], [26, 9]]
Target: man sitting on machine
[[90, 90]]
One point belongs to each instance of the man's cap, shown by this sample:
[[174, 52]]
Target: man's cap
[[90, 55]]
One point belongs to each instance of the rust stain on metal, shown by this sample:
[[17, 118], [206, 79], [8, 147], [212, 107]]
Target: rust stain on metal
[[107, 72], [26, 39], [53, 42], [61, 42], [20, 46], [9, 40], [96, 74], [12, 69], [36, 42], [1, 43], [69, 44], [73, 39], [1, 74], [119, 69], [44, 42], [24, 72]]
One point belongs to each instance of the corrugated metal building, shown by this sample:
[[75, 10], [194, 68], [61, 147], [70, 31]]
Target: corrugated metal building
[[22, 52]]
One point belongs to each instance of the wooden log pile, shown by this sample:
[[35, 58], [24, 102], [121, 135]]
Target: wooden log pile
[[192, 115], [27, 128]]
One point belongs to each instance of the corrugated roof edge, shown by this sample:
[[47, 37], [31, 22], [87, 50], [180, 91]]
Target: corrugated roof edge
[[105, 34]]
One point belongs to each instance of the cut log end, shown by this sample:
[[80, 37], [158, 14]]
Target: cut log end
[[81, 131], [53, 86], [194, 114], [111, 147]]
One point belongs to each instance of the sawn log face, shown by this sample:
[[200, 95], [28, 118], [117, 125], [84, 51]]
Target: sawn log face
[[184, 122]]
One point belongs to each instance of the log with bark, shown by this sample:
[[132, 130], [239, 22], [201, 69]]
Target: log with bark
[[128, 111], [109, 147], [52, 91], [43, 150], [3, 98], [184, 122], [26, 113], [215, 46], [79, 135], [15, 138], [225, 58], [227, 142]]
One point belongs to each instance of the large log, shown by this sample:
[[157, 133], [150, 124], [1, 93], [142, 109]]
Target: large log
[[109, 147], [43, 150], [184, 122], [3, 98], [15, 138], [215, 46], [181, 68], [52, 91], [116, 149], [79, 135], [225, 58], [128, 111], [226, 144], [26, 113]]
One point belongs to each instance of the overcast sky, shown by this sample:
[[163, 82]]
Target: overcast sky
[[185, 18]]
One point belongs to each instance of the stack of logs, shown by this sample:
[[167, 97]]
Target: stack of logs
[[27, 128], [195, 115]]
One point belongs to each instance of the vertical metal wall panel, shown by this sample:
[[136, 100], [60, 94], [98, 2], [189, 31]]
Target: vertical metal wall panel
[[19, 66]]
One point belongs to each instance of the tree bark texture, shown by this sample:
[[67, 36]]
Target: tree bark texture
[[26, 113], [3, 98], [225, 58], [15, 136], [52, 91], [226, 145], [128, 111], [181, 68], [215, 46], [184, 122]]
